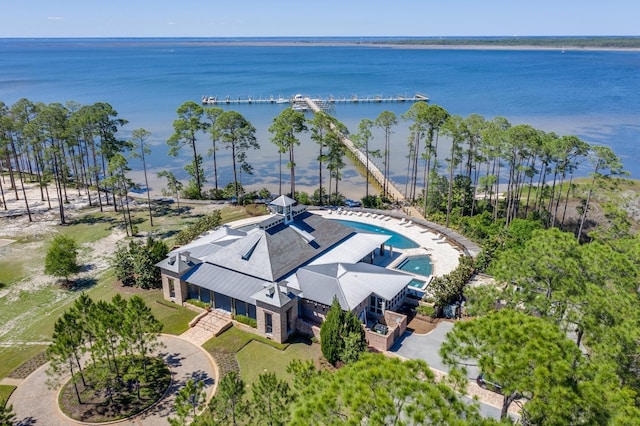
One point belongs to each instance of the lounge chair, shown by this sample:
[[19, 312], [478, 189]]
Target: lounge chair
[[402, 221]]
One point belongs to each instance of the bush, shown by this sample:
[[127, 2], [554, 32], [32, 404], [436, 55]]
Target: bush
[[134, 265], [246, 320], [203, 225], [61, 259], [426, 310], [198, 303]]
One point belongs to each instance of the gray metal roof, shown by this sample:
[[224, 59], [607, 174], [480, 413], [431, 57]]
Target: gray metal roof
[[353, 249], [178, 262], [283, 201], [274, 294], [209, 242], [280, 250], [350, 283], [224, 281]]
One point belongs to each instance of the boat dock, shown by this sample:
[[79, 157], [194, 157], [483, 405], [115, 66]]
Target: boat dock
[[392, 191], [323, 103]]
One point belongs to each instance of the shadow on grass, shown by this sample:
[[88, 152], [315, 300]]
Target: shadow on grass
[[165, 210], [167, 234], [92, 220], [83, 284], [299, 338]]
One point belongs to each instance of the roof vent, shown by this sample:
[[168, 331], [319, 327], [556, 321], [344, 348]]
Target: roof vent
[[304, 234], [250, 245]]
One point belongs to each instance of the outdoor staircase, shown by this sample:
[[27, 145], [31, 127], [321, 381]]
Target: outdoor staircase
[[215, 322]]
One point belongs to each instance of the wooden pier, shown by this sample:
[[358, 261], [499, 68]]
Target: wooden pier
[[392, 192], [323, 103]]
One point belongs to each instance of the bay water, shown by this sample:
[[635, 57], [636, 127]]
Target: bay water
[[591, 94]]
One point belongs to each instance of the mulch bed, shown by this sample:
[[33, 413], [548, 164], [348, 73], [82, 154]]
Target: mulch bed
[[96, 407], [29, 366], [421, 324]]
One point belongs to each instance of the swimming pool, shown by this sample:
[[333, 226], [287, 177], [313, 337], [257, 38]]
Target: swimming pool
[[420, 265], [416, 283], [396, 240]]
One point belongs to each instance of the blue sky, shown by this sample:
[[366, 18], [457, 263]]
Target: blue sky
[[251, 18]]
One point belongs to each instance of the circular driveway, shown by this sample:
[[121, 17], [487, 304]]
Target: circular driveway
[[35, 404]]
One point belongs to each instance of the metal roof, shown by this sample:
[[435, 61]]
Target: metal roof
[[274, 294], [283, 201], [209, 242], [178, 262], [353, 249], [350, 283], [280, 250], [225, 281]]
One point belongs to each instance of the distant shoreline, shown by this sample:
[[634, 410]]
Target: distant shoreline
[[417, 46], [595, 43]]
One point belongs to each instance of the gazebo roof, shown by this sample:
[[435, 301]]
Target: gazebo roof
[[283, 201]]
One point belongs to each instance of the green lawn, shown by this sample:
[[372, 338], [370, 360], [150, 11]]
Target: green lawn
[[5, 393], [257, 354], [13, 357], [32, 314], [256, 358], [10, 272], [90, 228], [234, 339]]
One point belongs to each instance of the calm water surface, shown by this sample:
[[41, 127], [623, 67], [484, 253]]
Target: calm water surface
[[592, 94]]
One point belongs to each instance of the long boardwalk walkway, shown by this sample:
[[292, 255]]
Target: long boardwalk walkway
[[392, 192]]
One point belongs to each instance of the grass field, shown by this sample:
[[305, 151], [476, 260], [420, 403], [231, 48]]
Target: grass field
[[5, 393], [256, 354], [256, 358], [28, 310]]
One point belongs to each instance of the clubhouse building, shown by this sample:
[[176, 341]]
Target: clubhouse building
[[285, 271]]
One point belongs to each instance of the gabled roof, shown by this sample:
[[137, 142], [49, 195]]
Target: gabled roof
[[350, 283]]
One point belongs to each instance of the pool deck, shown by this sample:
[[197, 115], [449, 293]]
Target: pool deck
[[444, 255]]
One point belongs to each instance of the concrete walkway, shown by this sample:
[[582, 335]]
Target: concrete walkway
[[36, 404], [444, 256]]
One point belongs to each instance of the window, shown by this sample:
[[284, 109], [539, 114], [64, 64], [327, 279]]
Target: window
[[289, 321], [172, 288], [268, 323], [376, 305]]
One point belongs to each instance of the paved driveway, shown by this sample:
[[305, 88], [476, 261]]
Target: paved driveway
[[35, 404], [427, 347]]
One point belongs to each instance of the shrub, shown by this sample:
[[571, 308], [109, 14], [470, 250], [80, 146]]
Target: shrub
[[203, 224], [246, 320], [426, 310], [61, 259], [198, 303]]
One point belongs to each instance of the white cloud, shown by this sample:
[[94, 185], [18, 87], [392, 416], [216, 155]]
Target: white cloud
[[55, 18], [171, 23]]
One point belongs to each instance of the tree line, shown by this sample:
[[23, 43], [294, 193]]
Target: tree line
[[491, 165], [375, 389]]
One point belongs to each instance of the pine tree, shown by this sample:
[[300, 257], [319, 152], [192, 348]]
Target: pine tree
[[61, 259], [330, 339]]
